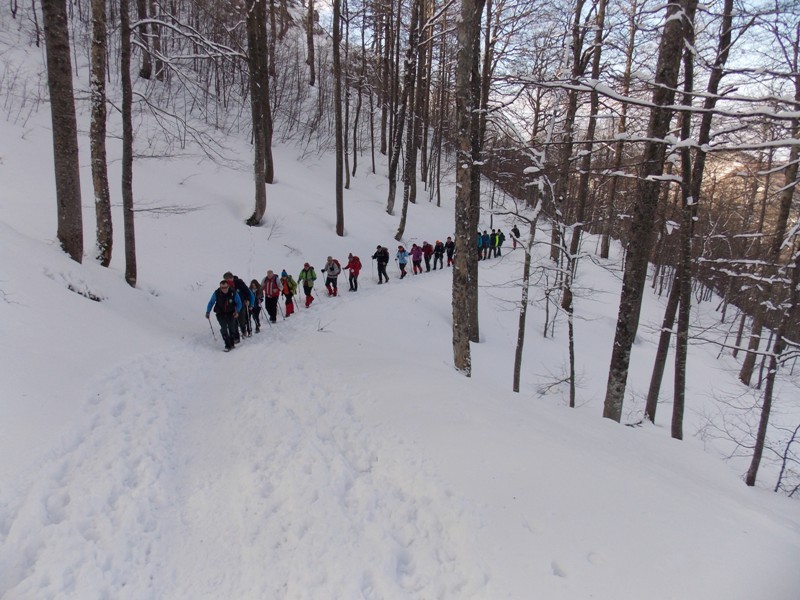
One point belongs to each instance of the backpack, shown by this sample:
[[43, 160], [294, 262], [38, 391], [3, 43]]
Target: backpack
[[357, 262], [291, 284]]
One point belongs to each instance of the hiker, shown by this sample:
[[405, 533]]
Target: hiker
[[382, 256], [247, 299], [332, 269], [450, 249], [500, 239], [402, 260], [354, 266], [514, 235], [255, 287], [226, 304], [306, 278], [427, 253], [416, 258], [438, 254], [486, 244], [272, 291], [289, 289], [480, 246]]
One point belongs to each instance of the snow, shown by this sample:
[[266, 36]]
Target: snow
[[337, 454]]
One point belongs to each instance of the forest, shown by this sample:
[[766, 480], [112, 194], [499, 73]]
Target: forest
[[670, 127]]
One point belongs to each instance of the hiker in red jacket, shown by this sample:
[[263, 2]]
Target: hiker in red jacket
[[354, 266], [427, 253], [271, 286]]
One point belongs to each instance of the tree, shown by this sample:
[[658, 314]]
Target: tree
[[789, 313], [310, 21], [641, 229], [467, 100], [127, 143], [337, 92], [256, 60], [97, 134], [65, 128]]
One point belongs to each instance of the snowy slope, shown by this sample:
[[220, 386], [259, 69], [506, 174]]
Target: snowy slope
[[337, 454]]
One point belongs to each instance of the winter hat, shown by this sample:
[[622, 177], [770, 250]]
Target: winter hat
[[283, 273]]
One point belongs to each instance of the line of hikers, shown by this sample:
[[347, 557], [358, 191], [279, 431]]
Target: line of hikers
[[238, 306]]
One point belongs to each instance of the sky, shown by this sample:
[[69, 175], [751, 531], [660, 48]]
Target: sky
[[337, 454]]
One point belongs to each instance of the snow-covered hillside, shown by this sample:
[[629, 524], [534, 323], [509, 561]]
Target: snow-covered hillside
[[336, 454]]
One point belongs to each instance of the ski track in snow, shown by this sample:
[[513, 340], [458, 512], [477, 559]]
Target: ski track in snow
[[248, 467]]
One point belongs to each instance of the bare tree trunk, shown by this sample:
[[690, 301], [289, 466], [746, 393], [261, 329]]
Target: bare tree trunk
[[257, 68], [523, 308], [466, 102], [410, 93], [641, 234], [608, 219], [586, 161], [579, 64], [691, 190], [146, 70], [310, 21], [774, 363], [273, 34], [127, 143], [337, 92], [156, 42], [65, 128], [347, 89], [662, 351], [97, 134]]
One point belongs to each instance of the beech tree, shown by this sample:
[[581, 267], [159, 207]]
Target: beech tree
[[467, 101], [337, 91], [641, 229], [131, 271], [65, 128], [97, 134]]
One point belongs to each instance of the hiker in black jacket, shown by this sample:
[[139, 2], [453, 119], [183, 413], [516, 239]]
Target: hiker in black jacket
[[382, 256]]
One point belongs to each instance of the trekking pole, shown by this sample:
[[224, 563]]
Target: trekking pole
[[213, 335], [266, 316], [372, 268]]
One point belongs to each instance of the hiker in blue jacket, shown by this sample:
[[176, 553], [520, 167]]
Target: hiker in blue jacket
[[402, 260], [227, 305]]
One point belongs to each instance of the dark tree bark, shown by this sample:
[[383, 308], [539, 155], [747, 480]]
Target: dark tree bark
[[310, 21], [256, 30], [586, 161], [608, 219], [464, 283], [127, 143], [411, 99], [688, 204], [337, 92], [644, 209], [65, 128], [146, 70], [97, 134], [778, 348]]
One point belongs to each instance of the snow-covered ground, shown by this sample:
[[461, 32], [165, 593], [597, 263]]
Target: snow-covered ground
[[336, 454]]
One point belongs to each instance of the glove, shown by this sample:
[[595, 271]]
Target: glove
[[207, 315]]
